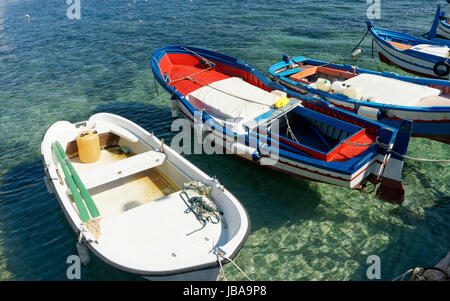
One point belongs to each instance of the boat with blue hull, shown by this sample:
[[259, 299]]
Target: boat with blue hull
[[440, 27], [383, 96], [427, 58], [237, 109]]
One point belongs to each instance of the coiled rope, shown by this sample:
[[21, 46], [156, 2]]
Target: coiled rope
[[199, 203]]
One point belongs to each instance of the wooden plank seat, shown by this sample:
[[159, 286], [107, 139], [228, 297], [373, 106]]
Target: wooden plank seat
[[400, 46], [122, 168]]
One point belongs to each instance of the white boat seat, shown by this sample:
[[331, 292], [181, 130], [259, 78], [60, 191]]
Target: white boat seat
[[233, 98], [123, 168], [432, 49]]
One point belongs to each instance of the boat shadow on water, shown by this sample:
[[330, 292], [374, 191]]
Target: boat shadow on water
[[35, 238]]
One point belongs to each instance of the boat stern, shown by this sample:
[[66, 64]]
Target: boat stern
[[391, 187]]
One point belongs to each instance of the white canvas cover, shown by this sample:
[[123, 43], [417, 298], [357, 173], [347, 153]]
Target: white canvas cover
[[432, 49], [381, 89], [233, 98]]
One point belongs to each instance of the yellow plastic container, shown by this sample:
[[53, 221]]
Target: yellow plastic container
[[281, 102], [88, 144]]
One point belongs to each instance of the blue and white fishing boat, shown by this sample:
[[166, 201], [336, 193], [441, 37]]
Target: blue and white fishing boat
[[383, 96], [244, 113], [428, 58], [440, 27]]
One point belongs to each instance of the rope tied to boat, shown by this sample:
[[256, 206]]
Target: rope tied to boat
[[189, 77], [357, 45], [289, 130], [389, 148], [82, 250], [93, 226], [205, 60], [221, 255], [196, 196], [418, 274]]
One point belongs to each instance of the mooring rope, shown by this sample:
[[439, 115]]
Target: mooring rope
[[368, 29], [421, 159], [403, 275], [221, 273], [222, 255], [386, 147], [418, 274]]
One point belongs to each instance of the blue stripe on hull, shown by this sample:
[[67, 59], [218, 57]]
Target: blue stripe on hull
[[424, 128]]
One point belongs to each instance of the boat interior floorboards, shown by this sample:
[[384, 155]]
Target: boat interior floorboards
[[306, 135], [116, 197]]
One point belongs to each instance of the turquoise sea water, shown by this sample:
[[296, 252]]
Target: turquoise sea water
[[53, 68]]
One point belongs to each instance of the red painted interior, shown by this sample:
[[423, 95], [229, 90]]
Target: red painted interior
[[178, 66], [345, 152], [342, 152]]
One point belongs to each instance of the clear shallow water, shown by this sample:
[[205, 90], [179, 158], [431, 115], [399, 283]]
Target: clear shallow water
[[53, 68]]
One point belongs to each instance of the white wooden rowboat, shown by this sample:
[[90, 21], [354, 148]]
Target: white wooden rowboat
[[143, 212]]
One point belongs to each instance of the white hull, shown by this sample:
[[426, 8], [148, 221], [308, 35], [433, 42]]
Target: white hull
[[408, 62], [203, 275], [443, 31]]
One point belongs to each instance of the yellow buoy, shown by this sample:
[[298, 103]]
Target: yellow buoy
[[88, 144]]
